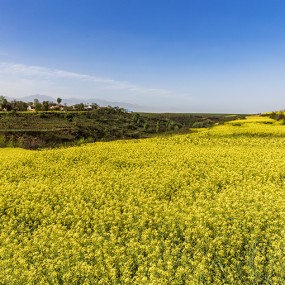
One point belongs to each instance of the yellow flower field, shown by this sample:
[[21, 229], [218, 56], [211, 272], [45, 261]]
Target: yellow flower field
[[202, 208]]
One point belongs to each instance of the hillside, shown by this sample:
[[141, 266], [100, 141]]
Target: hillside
[[54, 128]]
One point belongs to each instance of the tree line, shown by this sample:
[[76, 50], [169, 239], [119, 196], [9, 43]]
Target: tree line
[[36, 105]]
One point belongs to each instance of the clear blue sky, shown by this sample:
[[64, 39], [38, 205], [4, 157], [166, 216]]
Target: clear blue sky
[[173, 55]]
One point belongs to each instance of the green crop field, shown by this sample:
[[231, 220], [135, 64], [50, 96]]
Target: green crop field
[[202, 208]]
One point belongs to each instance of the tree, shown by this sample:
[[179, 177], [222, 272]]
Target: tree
[[58, 100], [3, 102], [37, 105], [19, 105], [79, 107], [45, 105]]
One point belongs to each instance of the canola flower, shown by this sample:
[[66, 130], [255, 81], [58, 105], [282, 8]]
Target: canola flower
[[202, 208]]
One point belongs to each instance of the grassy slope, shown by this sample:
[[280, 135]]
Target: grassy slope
[[47, 129]]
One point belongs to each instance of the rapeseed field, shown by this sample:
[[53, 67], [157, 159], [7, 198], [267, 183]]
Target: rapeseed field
[[202, 208]]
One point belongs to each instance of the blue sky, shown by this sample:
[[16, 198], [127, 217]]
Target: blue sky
[[171, 55]]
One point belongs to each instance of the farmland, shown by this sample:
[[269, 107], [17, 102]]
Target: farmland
[[201, 208]]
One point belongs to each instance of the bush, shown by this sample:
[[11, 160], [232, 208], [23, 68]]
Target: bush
[[43, 115], [198, 125], [69, 117]]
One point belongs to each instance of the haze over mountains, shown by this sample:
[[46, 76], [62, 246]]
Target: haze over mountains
[[100, 102]]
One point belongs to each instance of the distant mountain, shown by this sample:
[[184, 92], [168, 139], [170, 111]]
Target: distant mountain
[[41, 98], [31, 98], [72, 101]]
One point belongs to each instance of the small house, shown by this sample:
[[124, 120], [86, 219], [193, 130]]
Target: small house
[[89, 107], [31, 108]]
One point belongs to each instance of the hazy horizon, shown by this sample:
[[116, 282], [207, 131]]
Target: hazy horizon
[[183, 56]]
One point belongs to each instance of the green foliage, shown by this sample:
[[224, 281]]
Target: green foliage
[[58, 100], [69, 117], [43, 115], [53, 128], [50, 128], [3, 102], [2, 140], [45, 105], [198, 125]]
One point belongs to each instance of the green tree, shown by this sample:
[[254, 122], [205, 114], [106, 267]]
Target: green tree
[[45, 105], [3, 102], [79, 107], [19, 105], [58, 100], [37, 104]]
